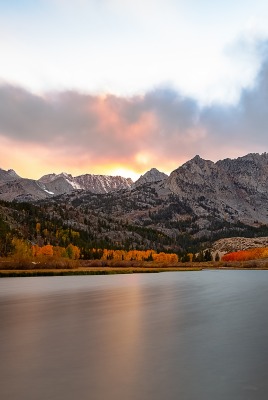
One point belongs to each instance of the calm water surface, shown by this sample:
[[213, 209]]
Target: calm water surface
[[180, 335]]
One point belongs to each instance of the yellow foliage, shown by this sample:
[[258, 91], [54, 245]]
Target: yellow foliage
[[73, 252], [190, 255], [59, 252], [22, 249], [165, 257], [137, 255]]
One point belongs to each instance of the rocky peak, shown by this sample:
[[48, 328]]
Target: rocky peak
[[195, 173], [47, 178], [65, 175], [150, 176], [130, 181], [13, 173], [9, 175], [198, 164], [51, 177]]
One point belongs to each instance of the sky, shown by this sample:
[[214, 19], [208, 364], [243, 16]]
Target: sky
[[118, 87]]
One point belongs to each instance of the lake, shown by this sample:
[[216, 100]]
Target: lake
[[175, 335]]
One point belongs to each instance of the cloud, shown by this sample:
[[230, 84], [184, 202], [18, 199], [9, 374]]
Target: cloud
[[246, 123], [104, 128], [161, 128]]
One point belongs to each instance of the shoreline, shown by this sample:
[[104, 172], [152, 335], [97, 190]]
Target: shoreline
[[60, 267], [114, 271], [90, 271]]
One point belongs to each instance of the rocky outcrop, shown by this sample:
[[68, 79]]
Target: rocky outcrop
[[228, 245]]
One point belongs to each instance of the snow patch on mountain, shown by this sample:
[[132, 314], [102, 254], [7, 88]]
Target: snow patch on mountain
[[103, 183], [93, 183], [48, 191]]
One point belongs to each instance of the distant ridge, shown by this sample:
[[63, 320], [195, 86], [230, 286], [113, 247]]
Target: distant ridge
[[12, 186]]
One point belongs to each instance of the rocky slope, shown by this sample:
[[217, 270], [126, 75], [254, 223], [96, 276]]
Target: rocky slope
[[232, 190], [228, 245], [90, 182], [63, 177], [13, 187], [102, 183], [9, 175]]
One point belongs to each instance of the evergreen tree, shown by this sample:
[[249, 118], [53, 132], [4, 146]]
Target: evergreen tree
[[217, 257], [207, 255]]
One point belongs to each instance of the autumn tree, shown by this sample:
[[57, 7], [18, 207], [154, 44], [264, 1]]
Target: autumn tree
[[249, 254], [59, 252], [46, 250], [73, 252], [165, 257], [22, 249], [38, 228]]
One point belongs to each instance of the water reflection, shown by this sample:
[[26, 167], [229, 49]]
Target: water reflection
[[197, 335]]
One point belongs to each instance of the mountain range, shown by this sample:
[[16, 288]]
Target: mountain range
[[13, 187], [228, 189], [199, 201]]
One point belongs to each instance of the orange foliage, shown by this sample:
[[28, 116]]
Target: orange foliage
[[42, 251], [72, 252], [244, 255]]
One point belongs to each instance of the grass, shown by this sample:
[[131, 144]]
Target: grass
[[60, 267], [109, 271]]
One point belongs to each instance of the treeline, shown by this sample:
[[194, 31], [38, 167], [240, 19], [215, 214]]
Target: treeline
[[23, 249]]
